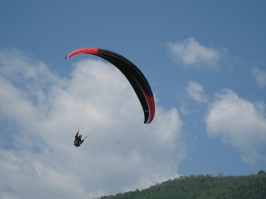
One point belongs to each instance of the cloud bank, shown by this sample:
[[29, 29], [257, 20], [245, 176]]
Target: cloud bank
[[192, 54], [196, 92], [259, 75], [237, 121], [40, 114], [240, 123]]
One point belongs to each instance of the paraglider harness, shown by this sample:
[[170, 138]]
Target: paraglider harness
[[78, 141]]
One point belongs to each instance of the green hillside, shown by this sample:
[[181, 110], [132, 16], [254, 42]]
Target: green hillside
[[203, 187]]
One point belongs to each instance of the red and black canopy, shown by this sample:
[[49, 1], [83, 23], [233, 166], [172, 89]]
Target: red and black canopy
[[132, 73]]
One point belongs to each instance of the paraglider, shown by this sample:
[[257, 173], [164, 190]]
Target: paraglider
[[78, 141], [133, 75]]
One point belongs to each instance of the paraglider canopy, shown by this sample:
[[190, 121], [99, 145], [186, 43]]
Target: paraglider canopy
[[133, 75]]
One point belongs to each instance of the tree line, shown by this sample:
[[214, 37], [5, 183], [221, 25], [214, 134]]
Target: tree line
[[203, 187]]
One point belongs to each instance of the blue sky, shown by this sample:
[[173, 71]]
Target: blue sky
[[205, 61]]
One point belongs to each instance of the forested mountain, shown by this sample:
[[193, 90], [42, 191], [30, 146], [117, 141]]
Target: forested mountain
[[203, 187]]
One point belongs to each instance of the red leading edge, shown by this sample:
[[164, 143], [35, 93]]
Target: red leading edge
[[92, 51]]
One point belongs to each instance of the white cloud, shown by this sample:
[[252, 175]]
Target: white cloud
[[46, 111], [240, 123], [259, 75], [196, 92], [192, 53]]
